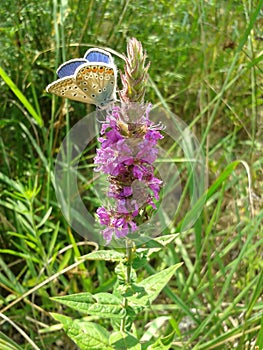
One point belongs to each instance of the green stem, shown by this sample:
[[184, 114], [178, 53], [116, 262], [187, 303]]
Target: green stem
[[129, 260], [128, 279]]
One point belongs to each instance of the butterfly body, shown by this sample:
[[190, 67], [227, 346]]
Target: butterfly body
[[89, 80]]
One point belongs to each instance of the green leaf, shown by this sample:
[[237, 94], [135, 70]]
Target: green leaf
[[100, 304], [159, 345], [46, 216], [145, 242], [139, 260], [16, 253], [162, 343], [65, 320], [108, 255], [167, 239], [154, 328], [153, 286], [157, 244], [121, 272], [124, 340], [87, 335], [22, 98]]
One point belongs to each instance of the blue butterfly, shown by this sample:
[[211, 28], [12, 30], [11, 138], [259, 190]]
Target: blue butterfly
[[91, 79]]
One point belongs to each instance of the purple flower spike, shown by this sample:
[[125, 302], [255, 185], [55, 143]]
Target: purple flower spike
[[128, 151]]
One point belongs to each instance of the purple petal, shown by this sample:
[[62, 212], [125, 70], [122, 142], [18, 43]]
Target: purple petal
[[103, 216], [107, 234]]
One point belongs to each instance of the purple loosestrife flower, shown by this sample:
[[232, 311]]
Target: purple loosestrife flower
[[128, 151]]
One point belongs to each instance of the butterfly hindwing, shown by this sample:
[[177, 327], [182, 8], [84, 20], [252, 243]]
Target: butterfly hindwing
[[97, 81], [66, 87]]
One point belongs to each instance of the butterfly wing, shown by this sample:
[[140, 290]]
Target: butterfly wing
[[66, 87], [68, 68], [91, 79], [97, 81], [98, 55]]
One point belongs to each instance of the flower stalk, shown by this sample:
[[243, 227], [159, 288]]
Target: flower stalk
[[129, 256]]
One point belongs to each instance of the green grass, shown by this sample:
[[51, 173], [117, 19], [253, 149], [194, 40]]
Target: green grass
[[206, 67]]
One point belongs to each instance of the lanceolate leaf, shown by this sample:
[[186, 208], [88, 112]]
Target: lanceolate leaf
[[108, 255], [152, 286], [101, 304], [124, 340], [21, 97], [87, 335]]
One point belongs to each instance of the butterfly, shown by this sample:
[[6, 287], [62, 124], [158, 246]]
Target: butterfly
[[91, 79]]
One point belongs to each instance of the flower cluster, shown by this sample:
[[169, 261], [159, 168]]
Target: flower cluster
[[128, 151]]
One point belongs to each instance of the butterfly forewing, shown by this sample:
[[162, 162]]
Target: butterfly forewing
[[97, 81], [68, 68], [98, 55], [66, 87]]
